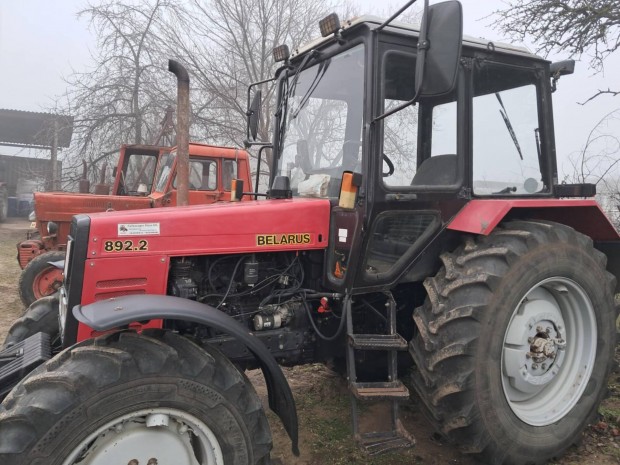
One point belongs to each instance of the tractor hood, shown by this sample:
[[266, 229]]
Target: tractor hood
[[241, 227]]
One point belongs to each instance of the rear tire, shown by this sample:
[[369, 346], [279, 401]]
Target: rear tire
[[125, 397], [39, 278], [478, 384]]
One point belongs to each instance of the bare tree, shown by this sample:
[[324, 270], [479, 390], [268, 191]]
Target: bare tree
[[577, 27], [230, 46], [598, 162], [123, 98]]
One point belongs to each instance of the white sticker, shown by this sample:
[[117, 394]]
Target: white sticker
[[342, 235], [138, 229]]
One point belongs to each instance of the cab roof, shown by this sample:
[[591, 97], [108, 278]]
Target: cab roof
[[410, 29]]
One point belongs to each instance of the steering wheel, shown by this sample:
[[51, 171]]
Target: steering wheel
[[390, 171]]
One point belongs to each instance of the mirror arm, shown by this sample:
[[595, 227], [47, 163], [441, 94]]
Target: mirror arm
[[395, 15], [249, 143], [395, 110]]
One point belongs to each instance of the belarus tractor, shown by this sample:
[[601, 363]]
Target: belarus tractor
[[414, 223], [145, 178]]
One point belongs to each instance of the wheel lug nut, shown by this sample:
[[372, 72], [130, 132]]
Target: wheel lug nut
[[544, 366], [548, 330], [535, 366]]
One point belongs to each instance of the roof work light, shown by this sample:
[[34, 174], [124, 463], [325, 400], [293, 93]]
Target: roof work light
[[329, 24], [280, 53]]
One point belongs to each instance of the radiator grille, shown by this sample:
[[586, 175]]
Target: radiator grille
[[114, 283]]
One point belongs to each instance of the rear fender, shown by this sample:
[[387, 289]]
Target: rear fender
[[112, 313], [585, 216]]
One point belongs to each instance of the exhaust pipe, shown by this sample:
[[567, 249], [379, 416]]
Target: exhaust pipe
[[102, 188], [182, 130], [84, 184]]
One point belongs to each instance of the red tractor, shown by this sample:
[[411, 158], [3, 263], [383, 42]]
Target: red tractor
[[414, 218], [146, 179]]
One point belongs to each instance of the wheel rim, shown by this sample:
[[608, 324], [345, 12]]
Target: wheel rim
[[150, 437], [549, 351], [47, 282]]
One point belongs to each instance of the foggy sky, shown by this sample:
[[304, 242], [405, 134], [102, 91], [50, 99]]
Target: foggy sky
[[41, 41]]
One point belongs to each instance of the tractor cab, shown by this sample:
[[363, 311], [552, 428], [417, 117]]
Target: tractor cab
[[423, 129]]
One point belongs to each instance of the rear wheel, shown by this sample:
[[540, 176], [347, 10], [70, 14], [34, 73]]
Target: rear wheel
[[138, 399], [515, 342], [40, 278]]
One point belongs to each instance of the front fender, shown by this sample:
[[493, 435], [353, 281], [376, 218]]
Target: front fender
[[120, 311]]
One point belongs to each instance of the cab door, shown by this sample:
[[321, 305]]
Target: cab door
[[416, 171]]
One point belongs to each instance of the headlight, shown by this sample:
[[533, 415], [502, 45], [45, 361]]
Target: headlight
[[52, 228], [62, 312]]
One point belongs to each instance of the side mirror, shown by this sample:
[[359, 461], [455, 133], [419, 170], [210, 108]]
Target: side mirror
[[439, 49], [254, 114], [562, 68]]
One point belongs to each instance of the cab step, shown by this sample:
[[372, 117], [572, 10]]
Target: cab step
[[391, 390], [380, 443], [378, 342]]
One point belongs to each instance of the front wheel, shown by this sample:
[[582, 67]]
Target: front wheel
[[40, 278], [515, 342], [135, 399]]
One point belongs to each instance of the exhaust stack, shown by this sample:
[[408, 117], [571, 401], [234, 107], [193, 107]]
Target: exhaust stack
[[182, 130]]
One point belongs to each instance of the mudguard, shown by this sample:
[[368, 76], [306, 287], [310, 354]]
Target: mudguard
[[60, 264], [481, 216], [120, 311]]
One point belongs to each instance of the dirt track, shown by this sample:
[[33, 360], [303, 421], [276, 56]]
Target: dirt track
[[323, 404]]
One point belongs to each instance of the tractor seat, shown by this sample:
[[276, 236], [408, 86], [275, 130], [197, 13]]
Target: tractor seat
[[440, 170]]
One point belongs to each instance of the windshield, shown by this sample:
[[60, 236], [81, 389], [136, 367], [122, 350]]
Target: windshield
[[140, 169], [322, 124], [165, 168]]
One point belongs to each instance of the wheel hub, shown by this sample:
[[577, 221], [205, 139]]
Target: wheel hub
[[532, 354]]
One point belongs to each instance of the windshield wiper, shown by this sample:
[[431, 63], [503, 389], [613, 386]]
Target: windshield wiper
[[315, 82], [282, 111], [511, 130]]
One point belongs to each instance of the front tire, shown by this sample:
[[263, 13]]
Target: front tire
[[128, 398], [515, 342], [40, 278], [40, 317]]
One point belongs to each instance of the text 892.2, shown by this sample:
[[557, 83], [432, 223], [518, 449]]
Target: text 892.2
[[126, 246]]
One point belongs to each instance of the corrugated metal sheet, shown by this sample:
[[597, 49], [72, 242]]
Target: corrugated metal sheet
[[34, 129]]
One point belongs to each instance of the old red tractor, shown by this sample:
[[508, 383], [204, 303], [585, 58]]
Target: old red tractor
[[145, 178]]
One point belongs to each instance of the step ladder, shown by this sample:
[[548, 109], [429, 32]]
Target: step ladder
[[392, 390]]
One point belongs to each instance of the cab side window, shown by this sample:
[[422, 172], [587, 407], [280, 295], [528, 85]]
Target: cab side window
[[506, 149], [202, 175]]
